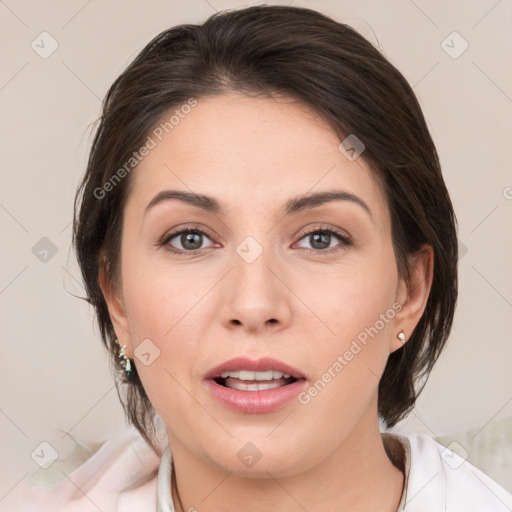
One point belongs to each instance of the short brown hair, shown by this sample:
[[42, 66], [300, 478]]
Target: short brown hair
[[302, 54]]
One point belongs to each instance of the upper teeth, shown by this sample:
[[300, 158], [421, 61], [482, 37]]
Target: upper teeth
[[247, 375]]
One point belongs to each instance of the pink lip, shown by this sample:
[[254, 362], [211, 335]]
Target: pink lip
[[259, 365], [267, 400]]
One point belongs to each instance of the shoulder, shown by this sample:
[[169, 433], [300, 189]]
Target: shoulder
[[118, 475], [443, 480]]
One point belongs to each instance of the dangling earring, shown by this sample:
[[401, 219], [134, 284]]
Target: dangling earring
[[126, 361], [401, 336]]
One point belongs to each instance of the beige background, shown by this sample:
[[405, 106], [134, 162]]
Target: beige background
[[54, 372]]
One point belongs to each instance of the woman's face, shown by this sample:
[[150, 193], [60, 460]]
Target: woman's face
[[326, 304]]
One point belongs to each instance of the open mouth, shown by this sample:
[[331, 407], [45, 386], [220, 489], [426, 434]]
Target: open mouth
[[267, 387], [254, 381]]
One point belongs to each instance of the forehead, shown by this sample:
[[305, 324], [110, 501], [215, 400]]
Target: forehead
[[250, 151]]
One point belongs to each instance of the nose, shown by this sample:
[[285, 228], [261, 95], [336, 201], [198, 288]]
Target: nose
[[256, 296]]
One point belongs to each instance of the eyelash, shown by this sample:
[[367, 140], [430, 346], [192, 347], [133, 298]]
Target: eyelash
[[344, 239]]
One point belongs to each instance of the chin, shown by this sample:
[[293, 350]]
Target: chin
[[255, 457]]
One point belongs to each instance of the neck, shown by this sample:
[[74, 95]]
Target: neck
[[357, 473]]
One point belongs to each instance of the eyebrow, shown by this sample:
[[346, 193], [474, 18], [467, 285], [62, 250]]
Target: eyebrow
[[294, 205]]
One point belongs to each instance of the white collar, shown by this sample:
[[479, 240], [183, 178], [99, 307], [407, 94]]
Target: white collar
[[164, 499]]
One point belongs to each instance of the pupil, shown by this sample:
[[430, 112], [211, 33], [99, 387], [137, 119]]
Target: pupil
[[321, 238]]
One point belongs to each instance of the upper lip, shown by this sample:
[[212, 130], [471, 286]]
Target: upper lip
[[257, 365]]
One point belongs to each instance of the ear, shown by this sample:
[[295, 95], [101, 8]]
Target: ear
[[413, 295], [116, 309]]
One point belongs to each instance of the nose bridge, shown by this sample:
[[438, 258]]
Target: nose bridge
[[252, 260], [256, 296]]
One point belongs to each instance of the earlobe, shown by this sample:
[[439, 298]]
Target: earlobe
[[413, 295], [115, 308]]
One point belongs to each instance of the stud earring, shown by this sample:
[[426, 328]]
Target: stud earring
[[126, 361], [401, 336]]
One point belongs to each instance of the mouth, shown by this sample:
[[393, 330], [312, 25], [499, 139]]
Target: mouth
[[246, 380], [254, 386]]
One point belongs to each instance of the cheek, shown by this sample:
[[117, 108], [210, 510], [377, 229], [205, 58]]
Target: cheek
[[170, 309], [358, 308], [159, 299], [167, 313], [353, 298]]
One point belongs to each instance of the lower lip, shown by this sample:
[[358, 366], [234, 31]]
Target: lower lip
[[267, 400]]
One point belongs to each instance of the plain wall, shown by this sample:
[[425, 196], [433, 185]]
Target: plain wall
[[54, 372]]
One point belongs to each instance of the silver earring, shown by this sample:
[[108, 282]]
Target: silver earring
[[126, 361], [401, 336]]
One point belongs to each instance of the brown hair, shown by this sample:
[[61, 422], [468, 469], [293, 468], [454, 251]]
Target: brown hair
[[302, 54]]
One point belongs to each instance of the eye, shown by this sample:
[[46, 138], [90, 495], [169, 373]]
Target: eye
[[321, 240], [190, 239]]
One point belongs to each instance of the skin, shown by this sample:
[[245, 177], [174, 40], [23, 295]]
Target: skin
[[254, 154]]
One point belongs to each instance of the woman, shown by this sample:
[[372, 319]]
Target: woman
[[267, 240]]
